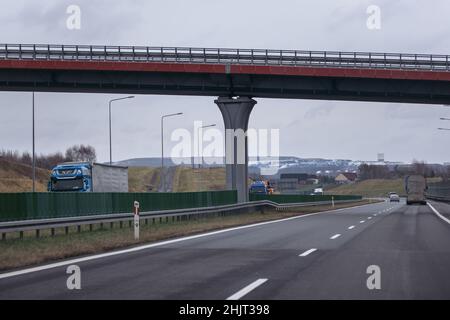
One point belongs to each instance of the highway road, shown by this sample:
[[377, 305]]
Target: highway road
[[318, 256]]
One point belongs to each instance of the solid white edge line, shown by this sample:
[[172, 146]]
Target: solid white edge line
[[244, 291], [351, 227], [162, 243], [438, 214], [335, 236], [307, 252]]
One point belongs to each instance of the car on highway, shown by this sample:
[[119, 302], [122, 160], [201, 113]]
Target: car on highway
[[394, 197], [259, 187]]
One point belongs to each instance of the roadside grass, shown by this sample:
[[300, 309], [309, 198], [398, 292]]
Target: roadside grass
[[17, 177], [18, 253], [188, 179], [143, 179]]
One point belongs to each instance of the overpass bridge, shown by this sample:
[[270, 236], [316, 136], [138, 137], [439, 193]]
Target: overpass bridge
[[235, 76]]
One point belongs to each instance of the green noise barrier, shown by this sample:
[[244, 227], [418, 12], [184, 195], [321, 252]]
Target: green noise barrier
[[26, 206]]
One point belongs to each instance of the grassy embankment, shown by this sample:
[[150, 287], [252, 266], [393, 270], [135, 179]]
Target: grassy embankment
[[16, 177], [372, 187], [205, 179], [144, 179]]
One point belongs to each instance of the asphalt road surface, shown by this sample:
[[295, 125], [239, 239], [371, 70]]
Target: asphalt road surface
[[319, 256]]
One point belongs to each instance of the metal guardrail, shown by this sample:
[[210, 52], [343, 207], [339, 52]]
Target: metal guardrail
[[30, 225], [438, 198], [439, 191], [403, 61]]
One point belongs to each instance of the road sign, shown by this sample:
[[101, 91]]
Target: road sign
[[136, 220]]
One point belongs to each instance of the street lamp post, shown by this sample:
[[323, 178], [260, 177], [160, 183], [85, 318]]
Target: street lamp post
[[163, 179], [200, 151], [110, 135], [34, 147]]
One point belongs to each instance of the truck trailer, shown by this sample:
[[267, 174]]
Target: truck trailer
[[415, 187], [88, 177]]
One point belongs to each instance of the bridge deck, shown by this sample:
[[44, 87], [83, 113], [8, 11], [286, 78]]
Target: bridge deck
[[219, 60]]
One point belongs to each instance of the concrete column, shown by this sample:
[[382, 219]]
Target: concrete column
[[236, 114]]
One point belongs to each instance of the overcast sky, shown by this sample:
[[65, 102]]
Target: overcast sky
[[326, 129]]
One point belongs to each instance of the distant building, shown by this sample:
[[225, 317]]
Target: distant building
[[346, 177], [287, 185], [302, 178], [380, 157], [296, 182]]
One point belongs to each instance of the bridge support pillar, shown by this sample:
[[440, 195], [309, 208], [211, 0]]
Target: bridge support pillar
[[236, 114]]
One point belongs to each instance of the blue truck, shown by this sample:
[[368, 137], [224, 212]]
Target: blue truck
[[88, 177]]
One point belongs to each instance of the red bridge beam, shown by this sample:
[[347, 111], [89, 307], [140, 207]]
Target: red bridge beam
[[231, 69]]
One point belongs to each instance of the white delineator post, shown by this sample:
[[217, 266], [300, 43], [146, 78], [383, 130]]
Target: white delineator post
[[332, 201], [136, 220]]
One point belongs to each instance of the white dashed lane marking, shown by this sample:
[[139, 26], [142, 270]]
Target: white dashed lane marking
[[252, 286], [304, 254]]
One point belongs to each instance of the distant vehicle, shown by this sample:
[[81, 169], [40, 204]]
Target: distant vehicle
[[394, 197], [259, 187], [318, 191], [415, 187], [270, 188], [88, 177]]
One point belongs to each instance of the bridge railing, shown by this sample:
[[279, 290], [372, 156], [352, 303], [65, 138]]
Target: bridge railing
[[225, 56]]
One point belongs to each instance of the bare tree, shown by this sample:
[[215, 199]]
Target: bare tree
[[26, 158], [49, 161], [81, 153], [420, 167], [367, 171]]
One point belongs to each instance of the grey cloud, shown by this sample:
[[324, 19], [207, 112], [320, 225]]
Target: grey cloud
[[308, 128]]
